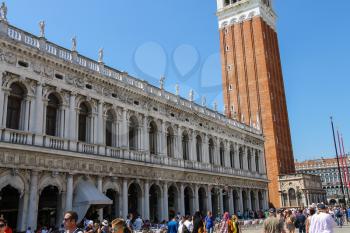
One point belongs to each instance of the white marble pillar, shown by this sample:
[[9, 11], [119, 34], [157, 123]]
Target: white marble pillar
[[39, 116], [205, 148], [257, 207], [69, 193], [217, 151], [99, 187], [249, 200], [22, 212], [165, 202], [196, 198], [236, 156], [73, 133], [146, 215], [100, 128], [182, 199], [253, 161], [262, 162], [221, 201], [230, 201], [240, 201], [4, 108], [2, 104], [145, 135], [227, 154], [29, 113], [209, 204], [125, 198], [192, 144], [179, 143], [245, 158], [163, 143], [33, 200]]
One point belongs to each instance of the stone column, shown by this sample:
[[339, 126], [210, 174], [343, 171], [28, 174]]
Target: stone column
[[100, 128], [22, 211], [69, 194], [217, 151], [227, 154], [209, 204], [249, 200], [60, 208], [39, 116], [240, 201], [33, 200], [124, 136], [99, 187], [165, 202], [205, 148], [230, 201], [193, 151], [146, 201], [196, 198], [182, 199], [73, 132], [145, 135], [257, 207], [163, 142], [179, 143], [236, 157], [125, 198], [2, 101], [221, 201], [262, 162], [245, 158], [28, 113]]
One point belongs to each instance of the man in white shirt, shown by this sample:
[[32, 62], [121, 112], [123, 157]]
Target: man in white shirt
[[322, 222]]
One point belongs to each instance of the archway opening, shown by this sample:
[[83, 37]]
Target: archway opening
[[245, 201], [15, 106], [292, 197], [47, 209], [235, 201], [252, 201], [134, 199], [188, 201], [215, 201], [172, 200], [9, 202], [225, 201], [261, 199], [155, 199], [202, 196], [111, 212]]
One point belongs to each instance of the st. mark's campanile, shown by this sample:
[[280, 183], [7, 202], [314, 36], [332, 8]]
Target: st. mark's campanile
[[252, 80]]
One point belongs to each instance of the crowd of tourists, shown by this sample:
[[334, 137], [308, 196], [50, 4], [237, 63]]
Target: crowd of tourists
[[315, 219]]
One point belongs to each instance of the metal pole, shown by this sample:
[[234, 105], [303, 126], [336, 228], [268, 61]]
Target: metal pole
[[336, 153], [345, 166]]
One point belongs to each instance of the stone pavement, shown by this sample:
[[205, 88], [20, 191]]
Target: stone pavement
[[344, 229]]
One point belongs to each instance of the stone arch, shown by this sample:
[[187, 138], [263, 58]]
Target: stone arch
[[202, 199], [56, 94], [155, 202], [49, 180], [153, 137], [189, 197], [25, 85], [135, 193], [16, 181], [133, 132], [173, 196], [111, 185], [170, 141], [292, 197]]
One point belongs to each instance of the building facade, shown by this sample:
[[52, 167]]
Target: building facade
[[301, 190], [77, 134], [327, 170], [252, 80]]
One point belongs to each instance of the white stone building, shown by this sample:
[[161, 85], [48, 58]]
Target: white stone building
[[77, 134]]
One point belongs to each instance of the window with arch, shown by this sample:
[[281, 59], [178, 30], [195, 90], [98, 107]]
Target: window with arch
[[199, 148], [240, 158], [249, 158], [52, 111], [170, 142], [109, 128], [83, 124], [257, 164], [133, 133], [15, 106], [153, 138], [232, 157], [222, 154], [211, 151], [185, 148]]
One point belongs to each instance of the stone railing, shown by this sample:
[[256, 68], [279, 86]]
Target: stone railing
[[73, 57], [56, 143]]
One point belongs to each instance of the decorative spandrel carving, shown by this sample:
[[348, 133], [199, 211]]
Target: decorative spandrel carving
[[48, 71], [10, 58], [37, 68]]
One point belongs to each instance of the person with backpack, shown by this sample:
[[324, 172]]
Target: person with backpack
[[339, 217]]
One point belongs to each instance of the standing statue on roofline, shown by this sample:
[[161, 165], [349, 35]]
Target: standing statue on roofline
[[161, 82], [3, 11], [42, 28], [100, 55], [74, 44]]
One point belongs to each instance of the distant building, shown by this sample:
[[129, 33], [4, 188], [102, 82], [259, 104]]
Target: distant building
[[300, 190], [327, 169]]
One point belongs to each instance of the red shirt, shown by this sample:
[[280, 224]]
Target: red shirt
[[8, 230]]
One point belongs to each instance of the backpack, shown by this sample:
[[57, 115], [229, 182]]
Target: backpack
[[185, 229], [338, 214]]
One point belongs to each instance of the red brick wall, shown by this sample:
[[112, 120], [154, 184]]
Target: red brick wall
[[257, 87]]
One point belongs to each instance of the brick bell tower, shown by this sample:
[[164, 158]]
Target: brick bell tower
[[252, 80]]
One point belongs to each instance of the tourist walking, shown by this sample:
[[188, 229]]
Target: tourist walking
[[290, 221], [233, 226], [308, 219], [300, 221], [209, 222], [172, 225], [224, 223], [198, 225], [322, 222], [70, 222], [272, 224]]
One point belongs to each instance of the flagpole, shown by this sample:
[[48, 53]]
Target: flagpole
[[345, 163], [336, 153], [342, 165]]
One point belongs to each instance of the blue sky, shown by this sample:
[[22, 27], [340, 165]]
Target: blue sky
[[179, 38]]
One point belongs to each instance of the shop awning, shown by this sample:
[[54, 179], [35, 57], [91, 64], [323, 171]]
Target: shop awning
[[86, 195]]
